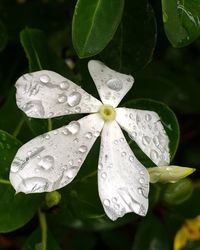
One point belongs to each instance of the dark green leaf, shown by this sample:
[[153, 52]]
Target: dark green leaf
[[168, 120], [181, 21], [192, 245], [151, 235], [34, 241], [133, 45], [94, 24]]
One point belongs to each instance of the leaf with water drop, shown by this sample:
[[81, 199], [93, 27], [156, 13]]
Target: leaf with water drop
[[181, 21], [94, 24]]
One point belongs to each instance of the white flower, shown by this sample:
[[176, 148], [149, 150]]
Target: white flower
[[52, 160]]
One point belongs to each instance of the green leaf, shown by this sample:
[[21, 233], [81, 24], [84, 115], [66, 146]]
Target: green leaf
[[181, 21], [94, 24], [178, 192], [38, 53], [151, 235], [34, 241], [133, 44], [15, 209], [168, 120]]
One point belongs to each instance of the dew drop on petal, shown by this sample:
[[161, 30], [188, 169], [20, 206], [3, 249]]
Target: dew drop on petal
[[71, 162], [114, 84], [141, 180], [114, 199], [15, 167], [82, 149], [34, 184], [100, 166], [153, 155], [146, 140], [73, 127], [106, 202], [74, 99], [44, 78], [148, 117], [62, 98], [88, 135], [131, 158], [47, 162], [123, 154], [77, 109], [103, 175], [64, 85]]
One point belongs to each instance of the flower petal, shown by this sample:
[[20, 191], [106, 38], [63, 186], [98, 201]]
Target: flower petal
[[52, 160], [46, 94], [146, 129], [169, 173], [123, 182], [111, 85]]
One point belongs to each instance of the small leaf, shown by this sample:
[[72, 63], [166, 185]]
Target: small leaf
[[181, 21], [94, 24], [34, 241]]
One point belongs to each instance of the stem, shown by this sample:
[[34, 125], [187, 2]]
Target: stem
[[18, 128], [50, 127], [43, 225], [2, 181]]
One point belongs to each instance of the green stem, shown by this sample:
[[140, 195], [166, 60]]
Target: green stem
[[18, 128], [50, 127], [2, 181], [43, 225]]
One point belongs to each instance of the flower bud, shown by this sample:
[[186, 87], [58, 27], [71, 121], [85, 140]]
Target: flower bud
[[52, 199]]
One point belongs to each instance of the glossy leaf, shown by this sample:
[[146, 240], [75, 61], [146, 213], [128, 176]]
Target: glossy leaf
[[168, 120], [15, 209], [181, 21], [94, 24], [33, 242], [151, 235], [133, 44]]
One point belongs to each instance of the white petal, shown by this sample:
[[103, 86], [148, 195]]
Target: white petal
[[111, 85], [123, 182], [52, 160], [46, 94], [146, 129]]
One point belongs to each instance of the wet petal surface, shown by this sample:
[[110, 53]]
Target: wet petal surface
[[46, 94], [146, 129], [111, 85], [123, 182], [52, 160]]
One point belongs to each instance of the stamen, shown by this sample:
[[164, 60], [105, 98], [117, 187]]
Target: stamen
[[107, 112]]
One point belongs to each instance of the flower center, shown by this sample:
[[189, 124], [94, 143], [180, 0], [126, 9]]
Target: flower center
[[107, 112]]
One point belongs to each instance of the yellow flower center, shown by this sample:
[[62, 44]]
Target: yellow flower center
[[107, 112]]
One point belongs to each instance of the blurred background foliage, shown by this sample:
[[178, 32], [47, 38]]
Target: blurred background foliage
[[157, 42]]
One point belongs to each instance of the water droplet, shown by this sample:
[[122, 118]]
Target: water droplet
[[70, 173], [76, 140], [142, 172], [66, 131], [116, 206], [121, 139], [79, 160], [82, 149], [154, 155], [73, 127], [114, 199], [100, 166], [146, 140], [77, 109], [123, 154], [47, 162], [64, 85], [15, 167], [131, 158], [156, 141], [116, 141], [29, 153], [96, 133], [106, 202], [55, 132], [103, 175], [47, 136], [44, 78], [114, 84], [88, 135], [131, 116], [34, 108], [140, 190], [148, 117], [141, 180], [71, 162], [133, 135], [74, 99], [62, 98]]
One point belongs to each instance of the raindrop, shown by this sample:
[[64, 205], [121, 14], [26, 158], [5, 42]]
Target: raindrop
[[44, 78], [123, 154], [70, 173], [131, 116], [133, 135], [79, 160], [74, 99], [116, 206], [153, 155], [141, 180], [121, 139], [73, 127], [103, 175], [96, 133], [34, 107], [131, 158], [140, 190], [64, 85], [156, 141], [146, 140], [114, 199], [148, 117], [62, 98], [15, 167], [47, 136], [100, 166], [34, 184], [106, 202], [55, 132], [116, 141], [71, 162], [66, 131], [82, 149], [77, 109], [47, 162], [88, 135], [76, 140], [114, 84]]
